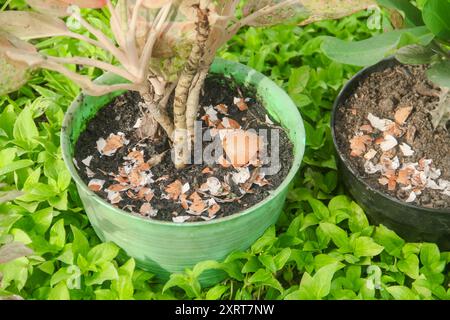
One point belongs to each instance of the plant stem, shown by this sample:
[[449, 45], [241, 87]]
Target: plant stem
[[182, 91]]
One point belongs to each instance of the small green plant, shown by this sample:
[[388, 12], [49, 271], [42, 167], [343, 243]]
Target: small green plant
[[9, 249], [422, 37], [161, 47]]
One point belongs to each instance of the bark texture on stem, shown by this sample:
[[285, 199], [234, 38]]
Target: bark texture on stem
[[191, 68], [155, 105], [193, 101]]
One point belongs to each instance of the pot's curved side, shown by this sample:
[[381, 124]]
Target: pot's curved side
[[411, 222], [163, 247]]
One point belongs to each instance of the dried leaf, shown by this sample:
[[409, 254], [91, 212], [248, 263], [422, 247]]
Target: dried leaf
[[27, 25], [12, 251], [241, 176]]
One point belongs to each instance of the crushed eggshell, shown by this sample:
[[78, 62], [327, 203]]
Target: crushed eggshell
[[377, 123], [241, 176], [174, 189], [402, 114], [222, 108], [87, 161], [181, 219], [96, 185], [110, 146], [148, 210], [406, 150], [358, 145], [229, 123], [241, 147], [388, 143], [198, 206], [240, 104]]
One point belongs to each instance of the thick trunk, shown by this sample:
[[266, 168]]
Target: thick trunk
[[156, 107], [193, 101], [182, 91]]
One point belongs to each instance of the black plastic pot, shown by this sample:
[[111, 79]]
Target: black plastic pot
[[414, 224]]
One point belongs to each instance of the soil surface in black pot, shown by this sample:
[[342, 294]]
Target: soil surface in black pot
[[139, 176], [385, 131]]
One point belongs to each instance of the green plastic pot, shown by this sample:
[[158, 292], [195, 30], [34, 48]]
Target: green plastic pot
[[165, 247]]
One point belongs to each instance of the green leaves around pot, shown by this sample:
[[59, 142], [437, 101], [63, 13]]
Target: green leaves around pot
[[316, 250], [426, 41], [436, 14], [370, 51]]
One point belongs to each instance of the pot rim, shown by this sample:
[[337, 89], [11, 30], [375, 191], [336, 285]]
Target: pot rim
[[347, 87], [299, 143]]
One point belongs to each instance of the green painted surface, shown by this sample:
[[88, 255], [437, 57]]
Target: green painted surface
[[165, 247]]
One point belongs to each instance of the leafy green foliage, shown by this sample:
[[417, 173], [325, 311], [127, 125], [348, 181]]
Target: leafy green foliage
[[323, 247]]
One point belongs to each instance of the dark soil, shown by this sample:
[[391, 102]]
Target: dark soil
[[122, 114], [383, 93]]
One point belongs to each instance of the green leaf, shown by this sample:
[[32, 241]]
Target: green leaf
[[338, 235], [316, 287], [14, 166], [358, 219], [60, 292], [216, 292], [25, 129], [319, 209], [265, 278], [107, 272], [429, 254], [267, 240], [436, 17], [268, 261], [205, 265], [80, 244], [42, 220], [370, 51], [402, 293], [439, 73], [415, 54], [366, 247], [413, 16], [101, 253], [58, 234], [15, 271], [410, 266], [298, 80], [282, 258], [389, 240]]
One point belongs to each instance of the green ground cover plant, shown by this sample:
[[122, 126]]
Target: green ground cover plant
[[323, 247]]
